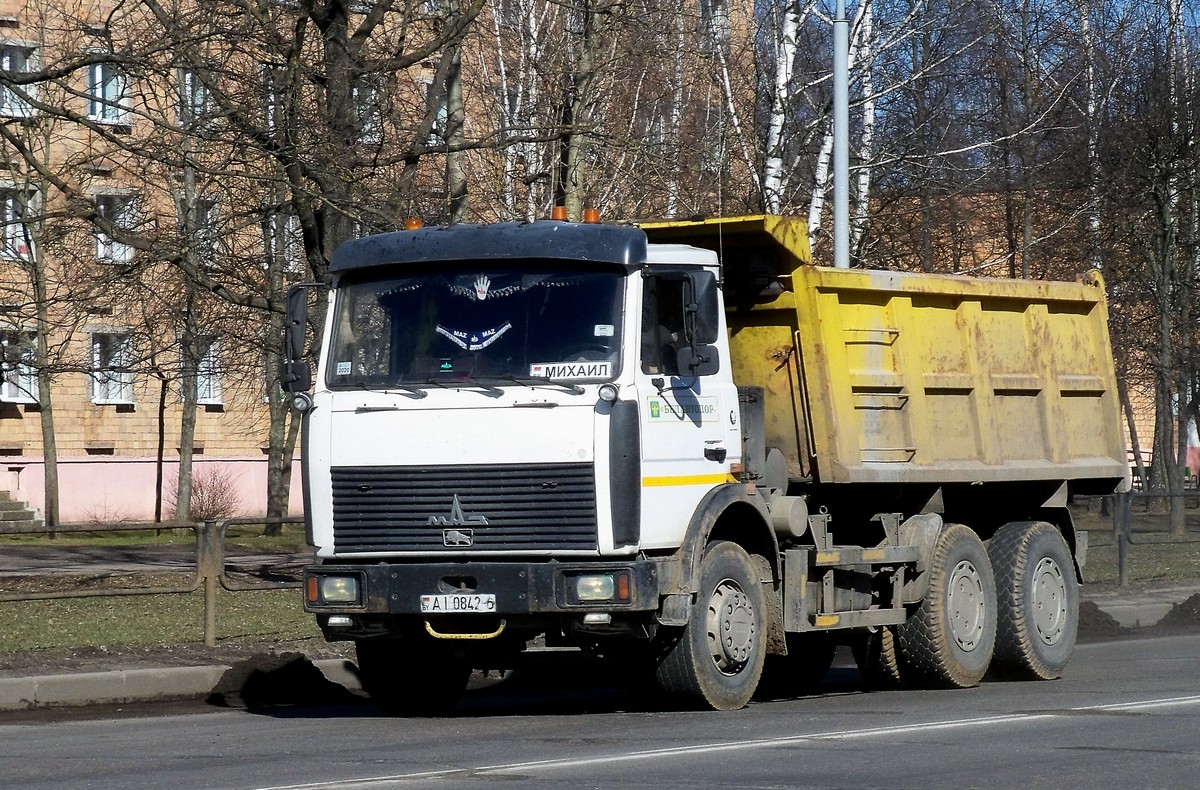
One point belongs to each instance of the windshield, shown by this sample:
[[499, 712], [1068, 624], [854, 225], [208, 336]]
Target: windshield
[[494, 324]]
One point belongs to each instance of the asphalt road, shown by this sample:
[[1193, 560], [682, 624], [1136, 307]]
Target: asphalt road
[[1127, 715]]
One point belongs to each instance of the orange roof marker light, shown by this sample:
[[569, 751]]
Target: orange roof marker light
[[591, 216], [413, 223], [559, 213]]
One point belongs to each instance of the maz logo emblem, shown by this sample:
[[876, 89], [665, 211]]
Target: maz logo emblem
[[457, 537]]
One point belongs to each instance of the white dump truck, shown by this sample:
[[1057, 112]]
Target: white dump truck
[[683, 448]]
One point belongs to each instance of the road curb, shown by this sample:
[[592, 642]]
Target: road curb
[[134, 685], [116, 686], [1138, 610]]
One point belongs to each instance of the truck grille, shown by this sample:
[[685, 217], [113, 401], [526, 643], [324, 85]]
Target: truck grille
[[507, 507]]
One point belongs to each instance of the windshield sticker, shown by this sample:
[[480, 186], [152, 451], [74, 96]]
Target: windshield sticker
[[343, 368], [571, 370], [474, 341], [604, 330]]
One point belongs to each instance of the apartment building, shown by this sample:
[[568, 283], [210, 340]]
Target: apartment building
[[114, 171]]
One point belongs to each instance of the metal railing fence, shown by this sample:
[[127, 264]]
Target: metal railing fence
[[1123, 533], [210, 563]]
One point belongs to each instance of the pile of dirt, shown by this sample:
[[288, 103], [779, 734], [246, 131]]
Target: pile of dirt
[[1096, 624], [1184, 616], [282, 679]]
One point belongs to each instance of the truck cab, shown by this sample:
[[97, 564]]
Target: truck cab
[[512, 430]]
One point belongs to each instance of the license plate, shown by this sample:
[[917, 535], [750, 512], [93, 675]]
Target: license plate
[[458, 603]]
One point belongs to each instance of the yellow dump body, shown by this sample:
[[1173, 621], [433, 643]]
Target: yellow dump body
[[889, 377]]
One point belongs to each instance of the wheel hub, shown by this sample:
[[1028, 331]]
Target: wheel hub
[[966, 603], [1049, 602], [731, 630]]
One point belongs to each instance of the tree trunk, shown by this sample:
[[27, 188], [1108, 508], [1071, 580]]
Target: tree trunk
[[576, 113], [161, 450], [50, 514], [456, 176]]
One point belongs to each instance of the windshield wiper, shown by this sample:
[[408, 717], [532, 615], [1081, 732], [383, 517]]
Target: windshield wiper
[[406, 388], [536, 381], [465, 384]]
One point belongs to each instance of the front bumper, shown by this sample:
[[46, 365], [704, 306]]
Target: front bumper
[[520, 588]]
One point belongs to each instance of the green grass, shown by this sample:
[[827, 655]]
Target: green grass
[[1154, 558], [157, 619], [152, 620]]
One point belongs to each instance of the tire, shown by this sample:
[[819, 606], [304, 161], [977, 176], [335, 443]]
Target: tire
[[810, 655], [717, 659], [1038, 600], [877, 659], [403, 684], [948, 641]]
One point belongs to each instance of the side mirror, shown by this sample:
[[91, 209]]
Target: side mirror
[[296, 375], [296, 323], [700, 360], [702, 307]]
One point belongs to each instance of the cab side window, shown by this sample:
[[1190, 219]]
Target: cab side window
[[662, 325]]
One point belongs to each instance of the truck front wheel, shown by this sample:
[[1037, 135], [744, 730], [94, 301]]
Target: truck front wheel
[[718, 657], [1038, 600], [948, 641], [404, 678]]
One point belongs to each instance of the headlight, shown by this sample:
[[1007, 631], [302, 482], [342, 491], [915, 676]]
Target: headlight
[[339, 589], [595, 588]]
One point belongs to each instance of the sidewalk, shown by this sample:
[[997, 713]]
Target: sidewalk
[[1128, 607], [1133, 608]]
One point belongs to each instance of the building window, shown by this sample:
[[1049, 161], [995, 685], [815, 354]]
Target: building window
[[208, 372], [112, 379], [17, 59], [435, 93], [108, 94], [18, 373], [368, 109], [119, 210], [205, 233], [195, 101], [201, 230], [273, 78], [17, 211], [283, 241]]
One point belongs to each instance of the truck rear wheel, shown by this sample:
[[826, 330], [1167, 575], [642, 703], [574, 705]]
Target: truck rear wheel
[[1038, 599], [948, 641], [407, 679], [718, 657]]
